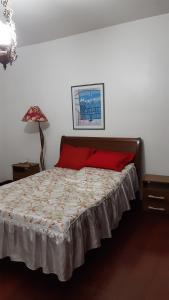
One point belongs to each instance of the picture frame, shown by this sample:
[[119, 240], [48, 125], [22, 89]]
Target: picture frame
[[88, 107]]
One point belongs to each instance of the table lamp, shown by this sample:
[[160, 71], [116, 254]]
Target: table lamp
[[34, 114]]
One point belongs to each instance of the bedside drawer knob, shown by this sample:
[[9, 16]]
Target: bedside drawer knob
[[156, 208], [156, 197]]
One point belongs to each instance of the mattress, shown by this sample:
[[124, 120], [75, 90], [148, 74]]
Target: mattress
[[51, 219]]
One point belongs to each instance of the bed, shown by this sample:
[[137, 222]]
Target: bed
[[51, 219]]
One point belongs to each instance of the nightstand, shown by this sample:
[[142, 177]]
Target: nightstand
[[155, 193], [22, 170]]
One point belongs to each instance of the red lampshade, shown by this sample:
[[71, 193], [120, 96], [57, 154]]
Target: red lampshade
[[34, 114]]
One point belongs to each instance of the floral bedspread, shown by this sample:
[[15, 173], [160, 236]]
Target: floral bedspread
[[52, 200]]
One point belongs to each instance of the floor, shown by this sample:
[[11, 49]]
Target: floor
[[133, 265]]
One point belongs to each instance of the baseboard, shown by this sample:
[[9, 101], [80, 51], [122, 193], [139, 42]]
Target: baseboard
[[5, 182]]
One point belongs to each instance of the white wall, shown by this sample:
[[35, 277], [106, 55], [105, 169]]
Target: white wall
[[1, 142], [132, 60], [2, 132]]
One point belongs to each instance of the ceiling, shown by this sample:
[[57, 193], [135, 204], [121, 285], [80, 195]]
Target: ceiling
[[43, 20]]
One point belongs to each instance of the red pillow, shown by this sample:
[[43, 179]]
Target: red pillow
[[73, 157], [109, 160]]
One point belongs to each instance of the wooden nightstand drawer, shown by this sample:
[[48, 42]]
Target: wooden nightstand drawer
[[155, 204], [22, 170], [158, 194], [155, 193]]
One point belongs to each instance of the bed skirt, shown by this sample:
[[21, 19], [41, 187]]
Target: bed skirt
[[38, 250]]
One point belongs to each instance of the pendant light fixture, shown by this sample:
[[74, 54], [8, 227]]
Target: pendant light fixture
[[7, 37]]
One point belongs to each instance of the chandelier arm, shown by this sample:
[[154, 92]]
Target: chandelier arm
[[8, 12], [4, 3]]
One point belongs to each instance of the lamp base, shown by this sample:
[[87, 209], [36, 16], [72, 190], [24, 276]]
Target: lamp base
[[42, 163]]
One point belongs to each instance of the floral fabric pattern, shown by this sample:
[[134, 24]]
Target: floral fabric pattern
[[52, 200], [52, 218]]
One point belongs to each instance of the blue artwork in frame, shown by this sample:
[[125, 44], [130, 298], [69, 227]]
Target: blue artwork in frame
[[88, 106]]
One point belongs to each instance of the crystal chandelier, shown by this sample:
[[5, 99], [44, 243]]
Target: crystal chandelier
[[7, 37]]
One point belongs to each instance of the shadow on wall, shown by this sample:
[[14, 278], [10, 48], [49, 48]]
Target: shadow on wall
[[143, 159], [32, 127]]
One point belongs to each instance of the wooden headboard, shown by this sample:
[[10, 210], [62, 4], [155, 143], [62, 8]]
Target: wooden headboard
[[109, 143]]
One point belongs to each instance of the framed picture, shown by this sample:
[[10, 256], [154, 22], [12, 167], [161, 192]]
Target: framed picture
[[88, 106]]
